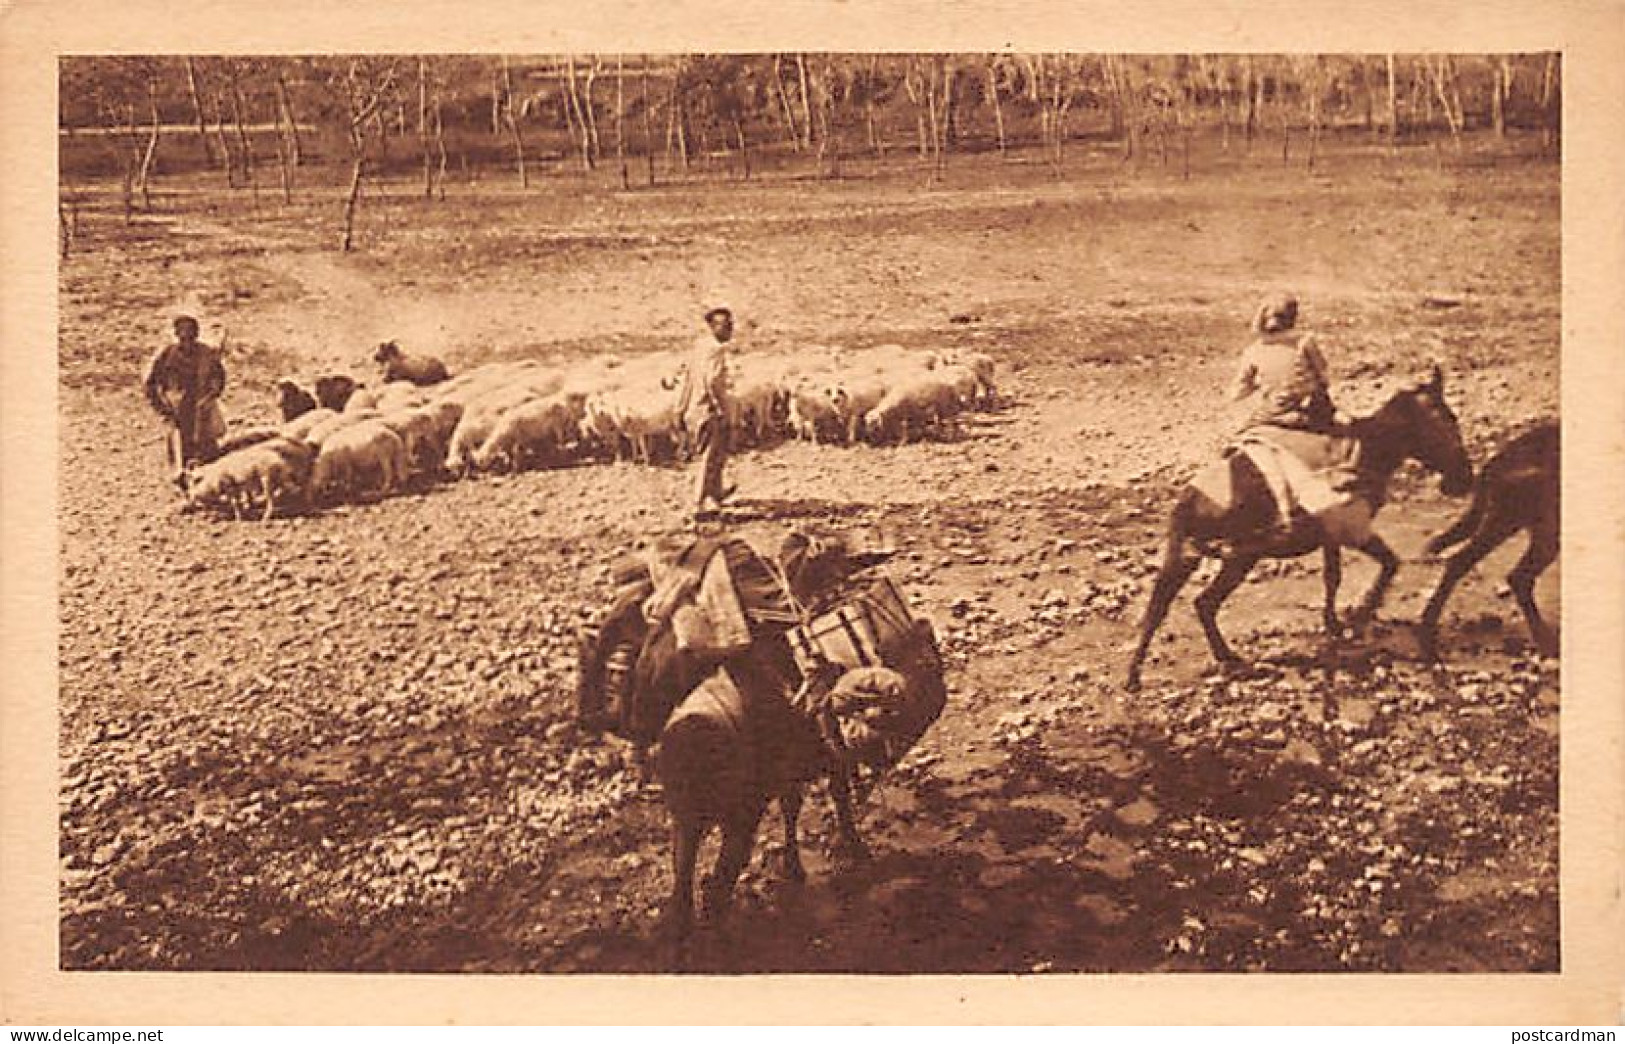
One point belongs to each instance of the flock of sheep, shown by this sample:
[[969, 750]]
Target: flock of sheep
[[348, 441]]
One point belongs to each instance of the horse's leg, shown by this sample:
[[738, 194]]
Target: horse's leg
[[1331, 558], [849, 845], [1177, 568], [738, 836], [1208, 603], [790, 811], [1387, 566], [1542, 551], [685, 849], [1489, 537]]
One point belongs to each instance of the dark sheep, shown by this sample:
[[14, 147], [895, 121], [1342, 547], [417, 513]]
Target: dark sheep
[[398, 366], [334, 391], [293, 400]]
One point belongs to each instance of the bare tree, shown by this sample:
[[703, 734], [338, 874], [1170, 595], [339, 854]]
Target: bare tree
[[144, 173], [806, 102], [197, 111], [597, 149], [1393, 104], [288, 118], [1501, 94], [620, 120], [1551, 102], [1444, 86], [791, 131], [1309, 71], [991, 71], [363, 86], [510, 118], [235, 70], [648, 121]]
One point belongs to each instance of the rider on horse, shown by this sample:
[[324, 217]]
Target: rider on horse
[[1286, 373]]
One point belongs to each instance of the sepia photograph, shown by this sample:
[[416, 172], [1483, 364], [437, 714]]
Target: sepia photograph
[[749, 512]]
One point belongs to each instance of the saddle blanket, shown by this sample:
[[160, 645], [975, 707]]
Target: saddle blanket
[[1305, 472]]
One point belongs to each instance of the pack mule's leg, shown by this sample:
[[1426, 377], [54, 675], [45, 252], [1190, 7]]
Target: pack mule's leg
[[1489, 537], [1542, 551]]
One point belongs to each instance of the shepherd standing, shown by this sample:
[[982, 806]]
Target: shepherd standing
[[183, 383], [704, 401]]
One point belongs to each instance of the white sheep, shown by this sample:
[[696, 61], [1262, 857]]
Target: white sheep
[[419, 430], [266, 471], [301, 426], [910, 408], [531, 432], [352, 456]]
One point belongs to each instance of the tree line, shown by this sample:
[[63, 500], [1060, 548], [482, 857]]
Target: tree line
[[259, 122]]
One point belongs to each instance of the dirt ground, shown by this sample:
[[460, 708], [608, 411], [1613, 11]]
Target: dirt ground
[[343, 741]]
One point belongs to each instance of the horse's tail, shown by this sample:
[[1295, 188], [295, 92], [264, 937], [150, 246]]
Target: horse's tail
[[1465, 526]]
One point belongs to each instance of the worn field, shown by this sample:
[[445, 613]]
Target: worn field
[[343, 741]]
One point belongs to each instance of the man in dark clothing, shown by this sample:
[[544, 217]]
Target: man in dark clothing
[[183, 383]]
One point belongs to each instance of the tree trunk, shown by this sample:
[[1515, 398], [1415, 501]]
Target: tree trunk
[[744, 146], [877, 141], [998, 109], [1250, 121], [916, 96], [592, 118], [437, 111], [1551, 106], [423, 127], [197, 111], [792, 132], [130, 155], [620, 121], [229, 158], [357, 171], [1367, 92], [1393, 106], [806, 102], [497, 95], [247, 146], [1285, 113], [1312, 84], [1132, 124], [283, 161], [682, 130], [1063, 109], [145, 171], [1443, 85], [285, 107], [934, 141], [1499, 92], [1114, 94], [584, 136], [512, 119], [648, 124]]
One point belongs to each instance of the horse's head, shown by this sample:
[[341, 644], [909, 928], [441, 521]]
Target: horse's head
[[1434, 435]]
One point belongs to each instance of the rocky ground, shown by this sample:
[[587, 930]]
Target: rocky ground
[[343, 741]]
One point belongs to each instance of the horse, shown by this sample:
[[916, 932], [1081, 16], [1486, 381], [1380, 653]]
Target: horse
[[1520, 488], [739, 742], [735, 744], [1415, 423]]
